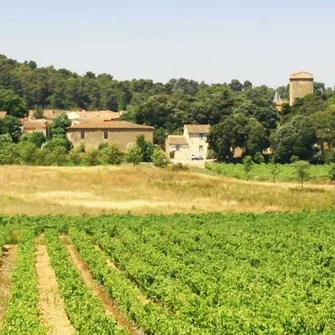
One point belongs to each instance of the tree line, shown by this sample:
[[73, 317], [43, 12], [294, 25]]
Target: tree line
[[241, 115]]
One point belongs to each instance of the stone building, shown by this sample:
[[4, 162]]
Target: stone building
[[95, 132], [301, 84], [192, 142], [30, 126]]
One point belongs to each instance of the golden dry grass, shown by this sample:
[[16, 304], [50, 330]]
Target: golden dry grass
[[95, 190]]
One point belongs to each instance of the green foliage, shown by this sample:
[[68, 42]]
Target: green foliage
[[183, 274], [263, 172], [134, 155], [93, 157], [22, 315], [85, 311], [147, 148], [58, 141], [302, 171], [5, 139], [36, 137], [13, 104], [112, 154], [159, 158], [59, 125], [297, 137], [247, 164], [12, 126], [39, 113], [331, 173], [258, 158]]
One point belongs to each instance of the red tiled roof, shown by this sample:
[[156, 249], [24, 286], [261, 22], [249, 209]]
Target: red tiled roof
[[35, 124], [198, 128], [176, 140], [95, 124]]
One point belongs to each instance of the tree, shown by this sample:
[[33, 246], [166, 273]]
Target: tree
[[60, 124], [147, 148], [236, 86], [302, 171], [247, 165], [297, 137], [112, 154], [274, 171], [159, 158], [134, 155], [12, 126], [36, 137], [58, 141], [13, 104]]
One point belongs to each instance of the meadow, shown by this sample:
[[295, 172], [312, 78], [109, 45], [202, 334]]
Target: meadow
[[144, 189], [319, 174], [179, 274]]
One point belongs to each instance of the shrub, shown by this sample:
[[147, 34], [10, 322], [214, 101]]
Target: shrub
[[36, 137], [159, 158], [111, 154], [302, 171], [92, 157], [259, 158], [134, 155], [179, 167], [147, 148], [58, 141]]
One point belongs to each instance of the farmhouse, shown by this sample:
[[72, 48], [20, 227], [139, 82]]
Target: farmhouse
[[191, 144], [95, 132], [29, 126]]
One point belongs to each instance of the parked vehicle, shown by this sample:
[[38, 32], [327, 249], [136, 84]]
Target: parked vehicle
[[196, 157]]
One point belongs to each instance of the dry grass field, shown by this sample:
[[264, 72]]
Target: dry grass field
[[144, 189]]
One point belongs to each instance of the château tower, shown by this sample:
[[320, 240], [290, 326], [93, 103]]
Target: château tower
[[301, 84]]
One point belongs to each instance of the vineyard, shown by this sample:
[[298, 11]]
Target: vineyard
[[203, 274]]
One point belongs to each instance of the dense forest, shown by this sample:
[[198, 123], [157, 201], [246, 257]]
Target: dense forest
[[241, 114]]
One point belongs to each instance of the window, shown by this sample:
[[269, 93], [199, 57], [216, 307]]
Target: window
[[202, 136], [105, 134], [177, 147], [82, 134], [201, 148]]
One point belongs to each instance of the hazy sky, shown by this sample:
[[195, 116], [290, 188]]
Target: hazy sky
[[213, 40]]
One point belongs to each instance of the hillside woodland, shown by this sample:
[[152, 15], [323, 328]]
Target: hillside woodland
[[241, 114]]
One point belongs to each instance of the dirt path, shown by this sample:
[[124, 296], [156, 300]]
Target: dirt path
[[110, 306], [50, 303], [7, 264]]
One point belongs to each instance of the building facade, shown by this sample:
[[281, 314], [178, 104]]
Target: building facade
[[193, 143], [93, 133], [301, 84]]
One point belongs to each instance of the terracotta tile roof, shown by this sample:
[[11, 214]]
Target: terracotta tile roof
[[198, 128], [3, 114], [177, 140], [97, 124], [40, 124]]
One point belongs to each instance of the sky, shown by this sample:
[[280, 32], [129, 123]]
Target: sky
[[213, 41]]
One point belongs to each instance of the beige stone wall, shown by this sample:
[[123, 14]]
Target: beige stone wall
[[196, 142], [182, 154], [93, 138], [299, 88]]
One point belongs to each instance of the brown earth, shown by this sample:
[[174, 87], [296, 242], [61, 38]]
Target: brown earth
[[109, 304], [7, 264], [51, 304]]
